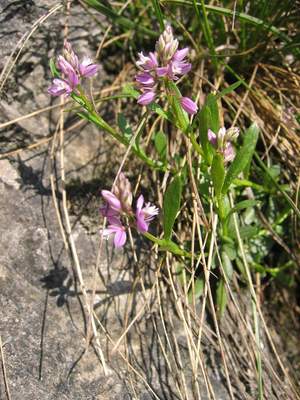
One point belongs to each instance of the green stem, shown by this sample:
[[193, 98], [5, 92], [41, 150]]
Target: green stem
[[167, 245], [222, 214], [99, 121]]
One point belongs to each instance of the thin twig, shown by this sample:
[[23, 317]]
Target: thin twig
[[4, 371]]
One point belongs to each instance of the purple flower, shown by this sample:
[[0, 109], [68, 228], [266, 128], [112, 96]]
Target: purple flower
[[145, 79], [71, 71], [116, 228], [181, 54], [118, 205], [168, 63], [228, 152], [144, 215], [87, 69], [147, 63], [65, 67], [60, 87], [114, 206], [212, 137], [179, 68], [119, 201], [146, 98], [222, 141], [188, 105]]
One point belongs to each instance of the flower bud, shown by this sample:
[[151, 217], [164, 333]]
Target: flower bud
[[122, 190], [166, 45], [70, 55]]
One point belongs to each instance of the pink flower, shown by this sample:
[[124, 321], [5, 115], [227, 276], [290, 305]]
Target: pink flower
[[147, 63], [168, 63], [188, 105], [222, 141], [116, 228], [228, 152], [119, 200], [87, 69], [60, 87], [181, 54], [112, 200], [71, 71], [145, 79], [146, 98], [212, 137], [144, 215]]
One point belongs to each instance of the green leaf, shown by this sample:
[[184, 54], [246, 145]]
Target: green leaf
[[168, 245], [242, 205], [158, 13], [243, 157], [212, 103], [218, 173], [171, 205], [230, 250], [198, 289], [227, 265], [129, 90], [235, 14], [204, 123], [229, 89], [124, 126], [160, 142], [208, 119], [158, 110], [53, 69], [117, 19], [248, 232], [221, 297]]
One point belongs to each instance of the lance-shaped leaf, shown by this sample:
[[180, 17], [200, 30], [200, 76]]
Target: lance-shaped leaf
[[221, 297], [208, 119], [160, 142], [243, 157], [171, 205], [218, 173]]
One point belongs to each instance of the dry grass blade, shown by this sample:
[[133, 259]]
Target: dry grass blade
[[13, 58], [4, 371]]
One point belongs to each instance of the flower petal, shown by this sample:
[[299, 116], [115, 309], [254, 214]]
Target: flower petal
[[145, 79], [120, 238], [188, 105], [140, 203], [146, 98], [162, 71], [181, 54], [141, 224], [111, 199], [212, 137]]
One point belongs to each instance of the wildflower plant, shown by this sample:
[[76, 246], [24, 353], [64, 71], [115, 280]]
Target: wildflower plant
[[221, 160]]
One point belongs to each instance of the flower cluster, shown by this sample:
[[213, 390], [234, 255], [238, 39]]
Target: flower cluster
[[118, 204], [167, 62], [72, 71], [222, 141]]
